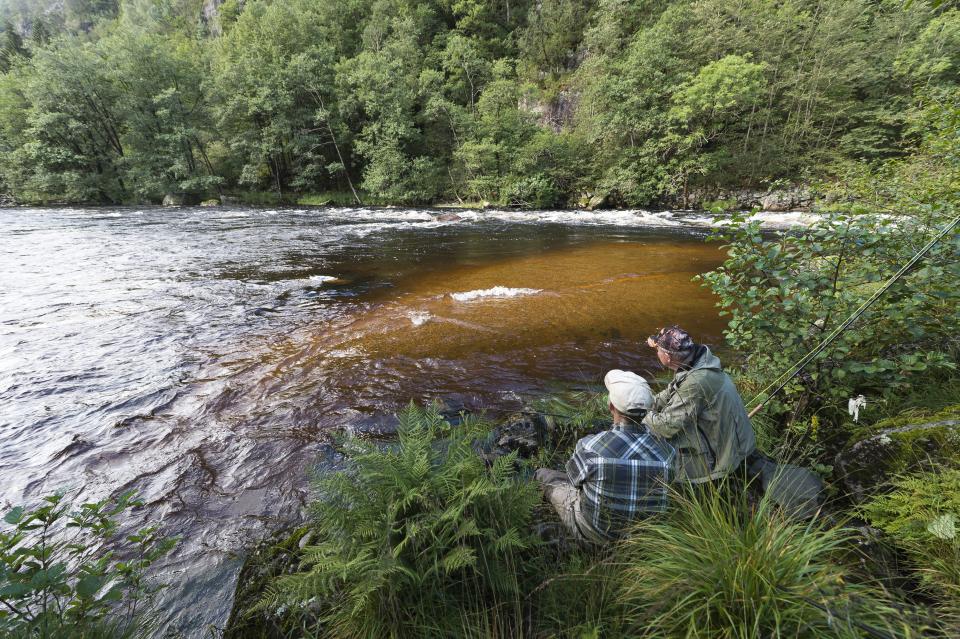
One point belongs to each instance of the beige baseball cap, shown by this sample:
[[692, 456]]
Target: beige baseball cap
[[629, 393]]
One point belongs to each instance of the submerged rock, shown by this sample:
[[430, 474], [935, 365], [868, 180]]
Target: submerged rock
[[896, 446]]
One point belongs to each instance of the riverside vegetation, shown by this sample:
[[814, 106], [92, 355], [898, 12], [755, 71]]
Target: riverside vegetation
[[421, 537], [533, 104], [428, 536]]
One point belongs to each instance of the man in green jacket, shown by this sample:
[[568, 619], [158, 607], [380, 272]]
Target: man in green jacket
[[700, 413]]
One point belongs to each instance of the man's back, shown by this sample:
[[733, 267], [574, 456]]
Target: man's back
[[622, 473], [702, 414]]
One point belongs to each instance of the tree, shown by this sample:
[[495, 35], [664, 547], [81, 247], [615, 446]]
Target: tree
[[274, 99], [11, 47], [70, 147], [161, 102]]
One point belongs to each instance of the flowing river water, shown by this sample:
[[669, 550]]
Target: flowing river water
[[204, 357]]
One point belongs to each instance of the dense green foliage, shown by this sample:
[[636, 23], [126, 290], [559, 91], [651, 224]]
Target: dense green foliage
[[64, 574], [786, 294], [421, 539], [533, 104], [920, 514]]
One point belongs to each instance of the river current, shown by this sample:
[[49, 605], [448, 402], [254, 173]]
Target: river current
[[204, 357]]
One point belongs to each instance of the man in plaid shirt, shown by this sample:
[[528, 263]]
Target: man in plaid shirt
[[616, 475]]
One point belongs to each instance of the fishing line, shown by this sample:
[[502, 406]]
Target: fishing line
[[794, 370]]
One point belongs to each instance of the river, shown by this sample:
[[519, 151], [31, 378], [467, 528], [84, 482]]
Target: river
[[204, 357]]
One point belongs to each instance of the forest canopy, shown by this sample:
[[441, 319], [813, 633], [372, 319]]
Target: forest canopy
[[532, 104]]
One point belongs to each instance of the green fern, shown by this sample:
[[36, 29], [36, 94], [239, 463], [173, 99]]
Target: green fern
[[919, 514], [415, 536]]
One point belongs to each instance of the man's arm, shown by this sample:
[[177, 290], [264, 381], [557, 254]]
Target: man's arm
[[581, 465], [661, 399], [673, 416]]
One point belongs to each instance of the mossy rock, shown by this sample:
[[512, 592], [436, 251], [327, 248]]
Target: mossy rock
[[908, 443], [272, 558]]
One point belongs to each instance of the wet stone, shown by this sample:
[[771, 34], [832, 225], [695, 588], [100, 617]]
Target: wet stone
[[521, 433]]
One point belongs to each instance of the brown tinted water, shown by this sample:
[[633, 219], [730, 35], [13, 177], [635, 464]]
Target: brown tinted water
[[204, 357]]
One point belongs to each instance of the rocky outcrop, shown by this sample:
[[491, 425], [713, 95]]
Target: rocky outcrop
[[894, 447], [593, 201], [555, 114], [795, 198]]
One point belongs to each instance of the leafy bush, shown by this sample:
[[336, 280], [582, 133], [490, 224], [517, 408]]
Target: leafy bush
[[61, 573], [921, 515], [420, 539], [715, 568], [785, 294], [533, 192]]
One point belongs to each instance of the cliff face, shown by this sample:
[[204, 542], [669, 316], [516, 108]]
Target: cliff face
[[556, 114], [209, 15]]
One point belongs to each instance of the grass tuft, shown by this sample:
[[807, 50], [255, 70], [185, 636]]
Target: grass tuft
[[716, 567]]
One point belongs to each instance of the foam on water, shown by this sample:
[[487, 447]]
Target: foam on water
[[496, 292], [380, 219], [419, 318]]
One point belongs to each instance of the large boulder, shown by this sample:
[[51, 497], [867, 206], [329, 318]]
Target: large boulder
[[598, 201], [906, 444], [174, 199]]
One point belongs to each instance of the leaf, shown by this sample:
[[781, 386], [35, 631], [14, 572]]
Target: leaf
[[14, 516], [14, 590], [88, 586], [943, 527]]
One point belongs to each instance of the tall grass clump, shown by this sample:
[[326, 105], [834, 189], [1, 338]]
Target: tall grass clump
[[416, 539], [716, 568]]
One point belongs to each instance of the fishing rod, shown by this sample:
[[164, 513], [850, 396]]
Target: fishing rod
[[794, 370]]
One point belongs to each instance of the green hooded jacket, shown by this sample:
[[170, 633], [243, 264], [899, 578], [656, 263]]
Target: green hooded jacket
[[702, 415]]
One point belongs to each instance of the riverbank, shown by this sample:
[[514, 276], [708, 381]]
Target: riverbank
[[292, 308], [776, 200], [718, 563]]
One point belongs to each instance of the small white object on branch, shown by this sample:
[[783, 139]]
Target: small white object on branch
[[855, 404]]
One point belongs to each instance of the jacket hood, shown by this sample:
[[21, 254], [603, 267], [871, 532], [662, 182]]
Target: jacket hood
[[704, 359]]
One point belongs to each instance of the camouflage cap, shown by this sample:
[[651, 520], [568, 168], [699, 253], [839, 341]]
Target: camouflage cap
[[673, 339]]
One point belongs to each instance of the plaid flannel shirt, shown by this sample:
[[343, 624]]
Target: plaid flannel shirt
[[621, 473]]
